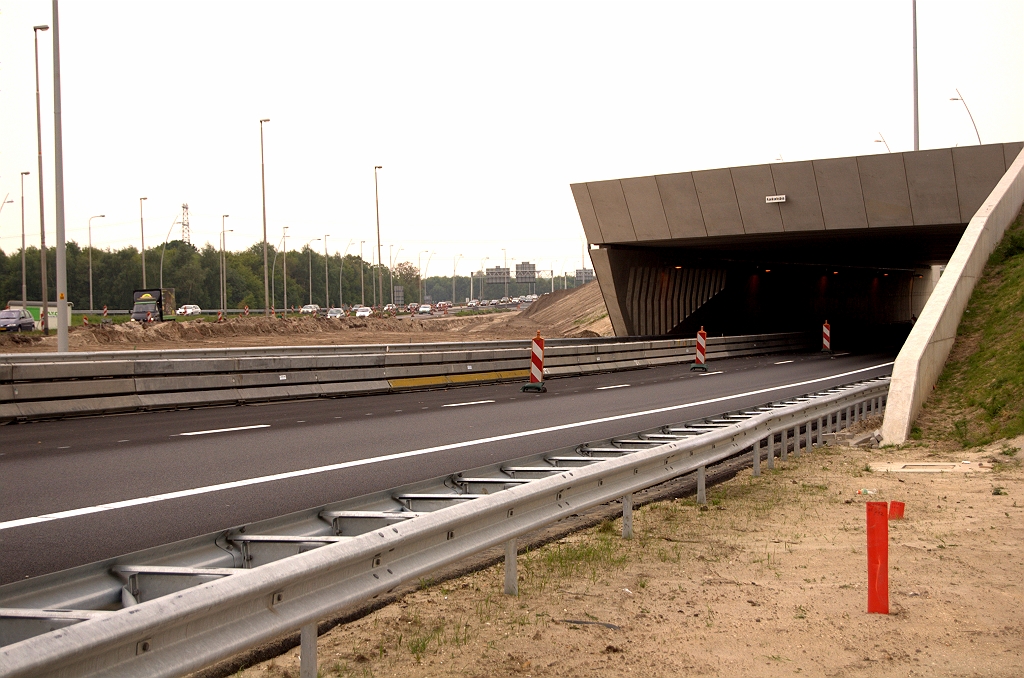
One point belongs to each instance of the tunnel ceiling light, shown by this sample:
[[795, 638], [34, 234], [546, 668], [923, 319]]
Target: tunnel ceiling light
[[678, 267], [835, 272], [767, 270]]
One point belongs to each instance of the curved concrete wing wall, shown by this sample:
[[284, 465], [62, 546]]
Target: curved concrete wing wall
[[924, 354]]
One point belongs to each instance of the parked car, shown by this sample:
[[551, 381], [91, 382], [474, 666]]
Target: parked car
[[363, 312], [16, 320], [189, 309], [335, 313], [426, 308], [310, 308]]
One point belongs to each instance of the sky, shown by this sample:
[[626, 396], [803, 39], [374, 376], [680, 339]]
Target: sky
[[480, 113]]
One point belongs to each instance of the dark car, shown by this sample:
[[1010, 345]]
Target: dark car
[[16, 320]]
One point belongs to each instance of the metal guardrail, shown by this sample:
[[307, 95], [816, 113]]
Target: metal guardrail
[[176, 609], [39, 386]]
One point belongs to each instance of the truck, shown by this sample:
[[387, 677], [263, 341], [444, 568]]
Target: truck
[[155, 305]]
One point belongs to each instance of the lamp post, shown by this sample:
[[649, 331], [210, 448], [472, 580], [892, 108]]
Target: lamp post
[[362, 288], [58, 195], [454, 267], [98, 216], [505, 275], [223, 272], [24, 293], [263, 188], [960, 97], [273, 271], [142, 232], [310, 250], [917, 136], [284, 273], [163, 249], [341, 277], [419, 271], [391, 269], [881, 140], [429, 257], [481, 284], [327, 292], [45, 315], [376, 203]]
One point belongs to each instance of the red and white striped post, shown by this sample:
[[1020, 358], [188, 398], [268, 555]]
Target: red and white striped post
[[104, 310], [220, 316], [149, 316], [536, 366], [700, 355], [246, 312], [85, 320], [826, 338]]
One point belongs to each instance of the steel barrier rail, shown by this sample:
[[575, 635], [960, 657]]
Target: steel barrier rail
[[99, 383], [189, 629]]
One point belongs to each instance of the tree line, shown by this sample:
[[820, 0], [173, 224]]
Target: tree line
[[194, 273]]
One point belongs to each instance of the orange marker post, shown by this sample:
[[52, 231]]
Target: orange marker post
[[536, 384], [700, 353], [826, 338], [878, 557]]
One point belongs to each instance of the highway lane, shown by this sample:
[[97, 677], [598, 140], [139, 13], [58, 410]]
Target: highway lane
[[50, 467]]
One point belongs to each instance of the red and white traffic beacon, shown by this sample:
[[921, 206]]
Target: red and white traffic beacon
[[826, 338], [700, 359], [536, 384]]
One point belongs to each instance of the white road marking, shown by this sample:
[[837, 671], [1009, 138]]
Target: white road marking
[[708, 374], [475, 402], [223, 430], [783, 362], [287, 475], [605, 388]]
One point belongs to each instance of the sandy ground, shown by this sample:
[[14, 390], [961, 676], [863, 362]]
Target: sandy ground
[[771, 581], [574, 313]]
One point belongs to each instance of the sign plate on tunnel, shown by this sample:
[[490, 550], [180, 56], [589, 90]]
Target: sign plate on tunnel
[[774, 198]]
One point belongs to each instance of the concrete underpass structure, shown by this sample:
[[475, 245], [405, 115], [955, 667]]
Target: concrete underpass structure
[[859, 241]]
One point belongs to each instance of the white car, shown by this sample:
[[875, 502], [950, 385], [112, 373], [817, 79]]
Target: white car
[[473, 303], [189, 309], [335, 313], [310, 308], [363, 312], [426, 308]]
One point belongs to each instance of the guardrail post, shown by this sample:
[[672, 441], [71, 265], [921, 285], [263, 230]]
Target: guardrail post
[[702, 497], [757, 458], [796, 439], [784, 454], [511, 575], [627, 516], [307, 651], [771, 451]]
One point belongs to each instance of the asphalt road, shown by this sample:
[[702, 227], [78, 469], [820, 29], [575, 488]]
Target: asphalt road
[[73, 468]]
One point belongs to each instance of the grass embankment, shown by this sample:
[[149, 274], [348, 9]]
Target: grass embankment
[[980, 394]]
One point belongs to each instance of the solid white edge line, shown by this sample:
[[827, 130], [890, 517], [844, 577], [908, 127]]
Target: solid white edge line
[[60, 515], [783, 362], [224, 430], [708, 374], [475, 402], [605, 388]]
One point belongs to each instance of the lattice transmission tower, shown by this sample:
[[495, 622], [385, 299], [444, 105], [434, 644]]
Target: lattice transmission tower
[[186, 234]]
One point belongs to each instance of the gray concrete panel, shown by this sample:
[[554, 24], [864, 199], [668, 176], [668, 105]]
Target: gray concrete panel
[[606, 281], [842, 203], [753, 184], [883, 180], [645, 208], [585, 207], [682, 209], [976, 168], [718, 202], [1011, 151], [802, 209], [932, 187], [612, 212]]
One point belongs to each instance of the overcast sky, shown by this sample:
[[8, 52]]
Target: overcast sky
[[481, 113]]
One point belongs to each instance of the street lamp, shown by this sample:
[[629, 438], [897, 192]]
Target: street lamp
[[341, 276], [454, 267], [273, 271], [504, 254], [881, 140], [960, 97], [310, 249], [263, 188], [284, 273], [481, 284], [142, 232], [24, 294], [391, 269], [327, 291], [362, 288], [98, 216], [419, 271], [376, 203], [45, 315], [223, 272]]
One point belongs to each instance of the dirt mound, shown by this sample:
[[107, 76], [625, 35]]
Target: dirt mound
[[578, 312], [17, 339]]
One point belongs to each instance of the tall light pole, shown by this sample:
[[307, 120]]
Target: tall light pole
[[917, 131], [58, 194], [419, 271], [341, 276], [391, 269], [24, 288], [310, 250], [284, 274], [376, 203], [163, 250], [142, 232], [327, 291], [481, 284], [362, 288], [273, 270], [429, 257], [223, 273], [881, 140], [960, 97], [45, 314], [505, 275], [454, 268], [98, 216], [263, 188]]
